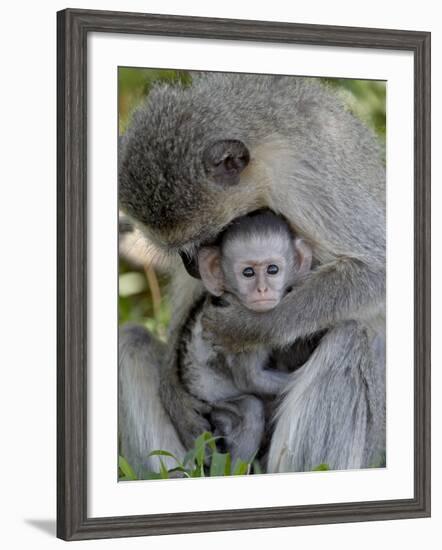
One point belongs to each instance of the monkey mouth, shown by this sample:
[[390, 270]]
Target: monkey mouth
[[262, 305]]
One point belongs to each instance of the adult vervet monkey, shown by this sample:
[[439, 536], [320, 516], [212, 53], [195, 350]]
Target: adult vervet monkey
[[192, 161]]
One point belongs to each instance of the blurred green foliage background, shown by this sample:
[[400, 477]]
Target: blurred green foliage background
[[141, 283]]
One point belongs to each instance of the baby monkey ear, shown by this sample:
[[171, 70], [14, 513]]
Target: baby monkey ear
[[209, 264], [304, 256], [224, 160]]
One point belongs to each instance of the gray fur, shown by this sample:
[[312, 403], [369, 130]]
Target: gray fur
[[140, 409], [222, 380], [314, 163], [336, 407], [215, 375], [241, 423]]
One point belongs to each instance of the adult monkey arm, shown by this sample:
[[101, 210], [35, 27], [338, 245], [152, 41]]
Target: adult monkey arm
[[344, 222], [336, 292]]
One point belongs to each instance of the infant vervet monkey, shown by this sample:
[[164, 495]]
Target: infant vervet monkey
[[258, 259]]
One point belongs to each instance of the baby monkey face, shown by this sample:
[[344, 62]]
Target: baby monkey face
[[258, 274], [258, 261]]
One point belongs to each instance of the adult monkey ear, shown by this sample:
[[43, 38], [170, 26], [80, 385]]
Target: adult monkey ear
[[303, 255], [209, 263], [224, 160]]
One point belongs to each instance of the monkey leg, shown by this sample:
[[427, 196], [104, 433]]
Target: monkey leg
[[333, 411], [144, 425], [241, 422]]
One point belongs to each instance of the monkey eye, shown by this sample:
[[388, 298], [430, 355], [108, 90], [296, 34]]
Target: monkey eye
[[248, 272], [272, 269]]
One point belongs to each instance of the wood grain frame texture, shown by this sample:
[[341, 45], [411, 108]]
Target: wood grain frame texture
[[73, 27]]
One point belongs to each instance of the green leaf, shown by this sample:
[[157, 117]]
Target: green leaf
[[159, 452], [197, 473], [257, 467], [152, 475], [126, 469], [201, 442], [321, 468], [220, 464], [164, 472], [200, 453], [189, 457], [241, 468], [210, 441]]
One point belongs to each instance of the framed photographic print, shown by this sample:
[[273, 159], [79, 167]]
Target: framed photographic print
[[243, 274]]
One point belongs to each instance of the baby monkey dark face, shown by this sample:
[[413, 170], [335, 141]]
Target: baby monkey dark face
[[257, 266]]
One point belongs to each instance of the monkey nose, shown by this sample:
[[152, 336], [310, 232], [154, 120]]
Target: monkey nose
[[262, 290]]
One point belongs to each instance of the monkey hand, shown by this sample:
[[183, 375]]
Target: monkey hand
[[236, 329]]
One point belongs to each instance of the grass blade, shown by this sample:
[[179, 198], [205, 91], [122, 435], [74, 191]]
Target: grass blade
[[321, 468], [126, 468], [220, 464]]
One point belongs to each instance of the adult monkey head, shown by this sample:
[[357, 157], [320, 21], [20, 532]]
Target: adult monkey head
[[195, 158], [186, 169]]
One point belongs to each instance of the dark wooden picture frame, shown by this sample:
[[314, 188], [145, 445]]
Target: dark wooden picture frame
[[73, 27]]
